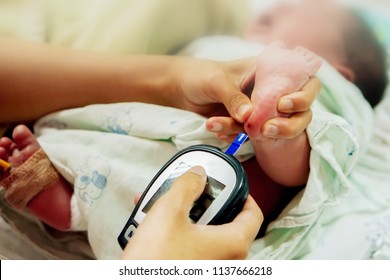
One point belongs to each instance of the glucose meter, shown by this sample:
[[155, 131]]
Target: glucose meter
[[222, 199]]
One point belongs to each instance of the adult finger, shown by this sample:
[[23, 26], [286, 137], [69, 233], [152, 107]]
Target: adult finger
[[186, 189], [226, 89], [237, 104], [302, 100], [249, 220], [223, 125], [288, 128], [240, 233]]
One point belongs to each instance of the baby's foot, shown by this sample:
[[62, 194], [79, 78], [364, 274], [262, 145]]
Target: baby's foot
[[18, 151], [280, 71], [51, 205]]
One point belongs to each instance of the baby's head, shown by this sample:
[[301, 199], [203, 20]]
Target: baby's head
[[332, 31]]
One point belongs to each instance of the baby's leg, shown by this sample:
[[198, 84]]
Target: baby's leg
[[46, 194], [279, 72]]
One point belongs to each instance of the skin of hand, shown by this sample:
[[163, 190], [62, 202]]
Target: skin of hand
[[217, 89], [297, 105], [167, 233]]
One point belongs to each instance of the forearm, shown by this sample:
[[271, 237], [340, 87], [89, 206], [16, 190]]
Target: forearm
[[286, 161], [38, 79]]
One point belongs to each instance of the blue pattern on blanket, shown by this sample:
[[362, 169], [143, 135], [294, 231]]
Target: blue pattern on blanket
[[119, 123], [92, 179], [98, 180]]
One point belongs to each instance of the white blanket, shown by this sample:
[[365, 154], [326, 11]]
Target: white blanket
[[111, 152]]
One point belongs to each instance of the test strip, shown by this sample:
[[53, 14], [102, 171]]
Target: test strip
[[4, 165], [237, 143]]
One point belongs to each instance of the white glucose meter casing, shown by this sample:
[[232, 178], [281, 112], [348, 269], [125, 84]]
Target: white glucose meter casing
[[223, 198]]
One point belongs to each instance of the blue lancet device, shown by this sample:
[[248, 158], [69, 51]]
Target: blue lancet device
[[237, 143]]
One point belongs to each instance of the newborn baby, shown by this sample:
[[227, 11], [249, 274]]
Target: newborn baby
[[282, 68]]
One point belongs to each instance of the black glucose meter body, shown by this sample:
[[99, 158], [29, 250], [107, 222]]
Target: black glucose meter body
[[222, 199]]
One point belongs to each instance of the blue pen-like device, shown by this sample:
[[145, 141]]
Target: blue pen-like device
[[237, 143], [222, 199]]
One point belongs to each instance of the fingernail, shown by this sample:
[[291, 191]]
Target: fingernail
[[217, 127], [198, 170], [271, 131], [286, 104], [244, 110]]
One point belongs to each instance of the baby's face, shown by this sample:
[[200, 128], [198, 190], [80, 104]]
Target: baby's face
[[309, 23]]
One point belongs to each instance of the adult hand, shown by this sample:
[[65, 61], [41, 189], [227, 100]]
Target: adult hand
[[297, 105], [168, 233], [214, 88], [77, 78]]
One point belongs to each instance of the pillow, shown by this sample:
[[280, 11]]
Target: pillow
[[380, 22], [378, 16]]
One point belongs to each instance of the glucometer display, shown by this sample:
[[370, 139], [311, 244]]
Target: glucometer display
[[212, 190], [222, 199]]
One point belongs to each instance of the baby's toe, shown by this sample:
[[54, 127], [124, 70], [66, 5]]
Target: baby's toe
[[307, 54], [3, 154], [24, 138], [278, 45], [7, 144], [313, 61], [301, 50]]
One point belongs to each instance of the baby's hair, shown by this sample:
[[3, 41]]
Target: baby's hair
[[366, 56]]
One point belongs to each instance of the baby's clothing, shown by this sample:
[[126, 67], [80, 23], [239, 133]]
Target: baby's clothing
[[111, 152]]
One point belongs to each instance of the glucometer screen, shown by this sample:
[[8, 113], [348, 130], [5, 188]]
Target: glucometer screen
[[212, 190]]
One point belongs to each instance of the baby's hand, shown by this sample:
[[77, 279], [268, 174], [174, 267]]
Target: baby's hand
[[297, 105]]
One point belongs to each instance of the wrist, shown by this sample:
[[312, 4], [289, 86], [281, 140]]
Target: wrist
[[175, 83], [147, 79]]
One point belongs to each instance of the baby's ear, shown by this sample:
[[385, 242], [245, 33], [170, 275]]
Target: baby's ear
[[346, 71]]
